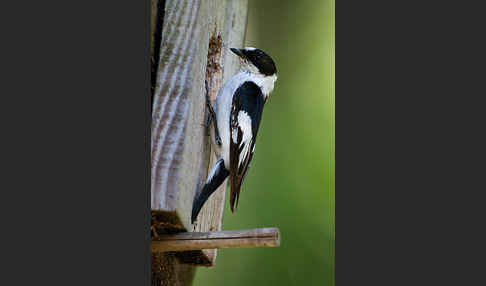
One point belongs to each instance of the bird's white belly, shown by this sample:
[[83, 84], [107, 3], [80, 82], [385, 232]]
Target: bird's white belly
[[222, 107]]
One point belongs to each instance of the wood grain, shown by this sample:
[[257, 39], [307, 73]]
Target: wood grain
[[229, 22], [181, 155], [261, 237]]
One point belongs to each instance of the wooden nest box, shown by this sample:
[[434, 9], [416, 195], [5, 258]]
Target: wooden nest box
[[190, 51]]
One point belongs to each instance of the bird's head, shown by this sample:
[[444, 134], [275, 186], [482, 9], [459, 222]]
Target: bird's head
[[256, 61]]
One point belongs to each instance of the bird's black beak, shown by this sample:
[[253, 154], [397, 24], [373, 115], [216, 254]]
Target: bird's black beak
[[238, 52]]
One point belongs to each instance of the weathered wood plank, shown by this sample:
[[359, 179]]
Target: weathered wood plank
[[157, 9], [167, 269], [260, 237], [180, 147], [230, 26], [178, 141]]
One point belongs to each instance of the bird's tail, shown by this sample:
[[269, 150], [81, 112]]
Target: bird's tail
[[216, 177]]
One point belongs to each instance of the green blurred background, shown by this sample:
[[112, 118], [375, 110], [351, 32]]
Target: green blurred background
[[290, 184]]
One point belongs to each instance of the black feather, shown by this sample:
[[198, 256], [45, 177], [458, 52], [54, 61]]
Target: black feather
[[248, 98], [219, 175]]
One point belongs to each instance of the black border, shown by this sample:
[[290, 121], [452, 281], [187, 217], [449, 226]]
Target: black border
[[409, 137], [75, 186], [409, 157]]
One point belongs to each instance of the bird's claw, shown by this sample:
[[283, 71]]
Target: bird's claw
[[212, 117]]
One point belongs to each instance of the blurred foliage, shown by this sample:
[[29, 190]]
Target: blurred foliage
[[290, 184]]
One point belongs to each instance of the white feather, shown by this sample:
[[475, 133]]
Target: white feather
[[244, 123], [223, 106], [234, 135]]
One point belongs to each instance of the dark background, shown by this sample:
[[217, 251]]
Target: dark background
[[409, 136]]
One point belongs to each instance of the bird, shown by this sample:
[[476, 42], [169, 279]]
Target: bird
[[235, 116]]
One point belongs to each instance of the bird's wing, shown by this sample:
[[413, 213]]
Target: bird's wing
[[246, 113]]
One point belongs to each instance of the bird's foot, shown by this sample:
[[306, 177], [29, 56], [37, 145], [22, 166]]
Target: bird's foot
[[207, 125], [211, 118]]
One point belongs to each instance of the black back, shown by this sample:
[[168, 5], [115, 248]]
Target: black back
[[249, 98]]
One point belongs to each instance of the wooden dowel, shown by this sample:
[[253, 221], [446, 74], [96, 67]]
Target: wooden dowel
[[260, 237]]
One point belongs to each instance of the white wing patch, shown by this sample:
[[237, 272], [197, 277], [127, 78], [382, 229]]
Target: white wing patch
[[244, 123], [234, 135], [243, 153]]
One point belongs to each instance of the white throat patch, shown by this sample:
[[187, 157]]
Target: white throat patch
[[266, 83]]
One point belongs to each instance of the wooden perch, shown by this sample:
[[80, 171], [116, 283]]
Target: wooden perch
[[260, 237]]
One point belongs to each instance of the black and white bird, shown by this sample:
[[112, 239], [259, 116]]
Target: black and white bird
[[236, 115]]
